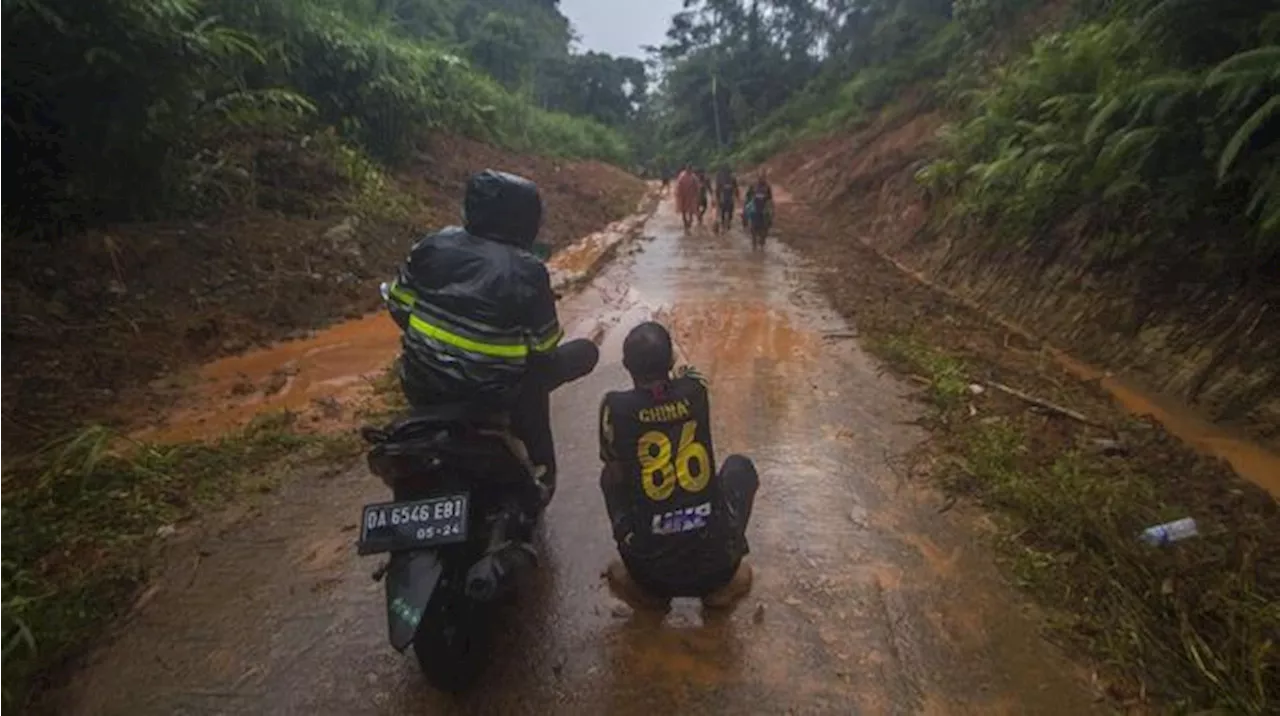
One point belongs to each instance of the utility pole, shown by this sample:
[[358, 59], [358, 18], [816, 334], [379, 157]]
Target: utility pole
[[715, 107]]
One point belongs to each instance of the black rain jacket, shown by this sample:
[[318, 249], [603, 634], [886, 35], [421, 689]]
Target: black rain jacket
[[475, 305]]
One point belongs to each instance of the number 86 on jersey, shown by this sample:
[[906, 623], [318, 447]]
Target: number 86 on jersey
[[659, 472]]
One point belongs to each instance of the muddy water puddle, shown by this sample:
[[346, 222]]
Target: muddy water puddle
[[324, 376], [1250, 460]]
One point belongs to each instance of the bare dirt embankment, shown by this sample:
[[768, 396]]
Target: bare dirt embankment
[[1167, 330], [1067, 476], [91, 318]]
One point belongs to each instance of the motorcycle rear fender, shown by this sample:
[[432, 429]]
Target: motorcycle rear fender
[[411, 579]]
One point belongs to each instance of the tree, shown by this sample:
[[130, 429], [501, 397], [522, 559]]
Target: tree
[[503, 47], [609, 89]]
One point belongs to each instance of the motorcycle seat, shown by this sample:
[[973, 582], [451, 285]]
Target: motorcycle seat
[[452, 413], [432, 418], [429, 430]]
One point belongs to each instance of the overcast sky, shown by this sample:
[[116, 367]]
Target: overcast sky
[[620, 27]]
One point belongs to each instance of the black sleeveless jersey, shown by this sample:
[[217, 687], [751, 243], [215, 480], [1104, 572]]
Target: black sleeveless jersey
[[662, 441]]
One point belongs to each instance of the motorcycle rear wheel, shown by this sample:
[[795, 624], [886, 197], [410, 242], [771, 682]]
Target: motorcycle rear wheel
[[453, 640]]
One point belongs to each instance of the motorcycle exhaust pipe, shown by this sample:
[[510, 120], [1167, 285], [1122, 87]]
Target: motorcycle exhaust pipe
[[498, 571]]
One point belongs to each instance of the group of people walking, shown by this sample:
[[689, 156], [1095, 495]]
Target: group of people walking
[[695, 193]]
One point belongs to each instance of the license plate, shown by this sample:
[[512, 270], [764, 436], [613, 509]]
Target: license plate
[[392, 526]]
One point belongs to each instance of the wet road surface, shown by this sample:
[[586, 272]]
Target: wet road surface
[[866, 600]]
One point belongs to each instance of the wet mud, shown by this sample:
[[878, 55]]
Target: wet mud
[[1247, 457], [866, 599], [328, 376]]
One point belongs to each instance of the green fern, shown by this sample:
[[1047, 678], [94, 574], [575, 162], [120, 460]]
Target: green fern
[[18, 637], [1173, 16], [1102, 118], [1258, 64], [1245, 132]]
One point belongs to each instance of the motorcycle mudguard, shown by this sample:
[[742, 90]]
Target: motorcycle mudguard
[[410, 580]]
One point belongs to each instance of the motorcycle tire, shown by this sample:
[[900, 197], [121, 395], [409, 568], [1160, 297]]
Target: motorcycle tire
[[453, 640]]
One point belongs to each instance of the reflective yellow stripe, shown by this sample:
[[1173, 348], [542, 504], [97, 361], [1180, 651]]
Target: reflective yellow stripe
[[453, 339], [403, 295], [549, 342]]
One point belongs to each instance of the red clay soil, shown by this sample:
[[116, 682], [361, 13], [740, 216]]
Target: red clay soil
[[90, 316]]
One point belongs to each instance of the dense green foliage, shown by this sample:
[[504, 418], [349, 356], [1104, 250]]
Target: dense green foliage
[[1155, 136], [746, 78], [125, 109], [1145, 120]]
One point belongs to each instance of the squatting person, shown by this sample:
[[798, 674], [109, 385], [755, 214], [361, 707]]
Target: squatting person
[[679, 524]]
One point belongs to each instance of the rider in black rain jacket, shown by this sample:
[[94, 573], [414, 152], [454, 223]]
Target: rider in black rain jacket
[[479, 315]]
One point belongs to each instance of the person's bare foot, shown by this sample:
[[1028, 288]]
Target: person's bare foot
[[625, 588], [729, 594]]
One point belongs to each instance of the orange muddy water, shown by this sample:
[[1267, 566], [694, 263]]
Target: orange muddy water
[[324, 376], [866, 599], [1249, 459], [333, 367]]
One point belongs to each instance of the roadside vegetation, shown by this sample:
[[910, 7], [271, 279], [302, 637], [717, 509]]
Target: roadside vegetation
[[1186, 628], [84, 515], [1191, 625], [133, 109], [1152, 127]]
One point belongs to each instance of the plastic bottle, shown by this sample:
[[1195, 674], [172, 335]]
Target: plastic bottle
[[1170, 532]]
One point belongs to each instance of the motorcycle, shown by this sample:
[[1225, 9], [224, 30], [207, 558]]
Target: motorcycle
[[465, 500]]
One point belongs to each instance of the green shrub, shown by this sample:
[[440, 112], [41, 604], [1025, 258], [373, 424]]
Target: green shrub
[[1101, 118]]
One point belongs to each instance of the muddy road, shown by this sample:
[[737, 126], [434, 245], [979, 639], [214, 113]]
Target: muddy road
[[866, 600]]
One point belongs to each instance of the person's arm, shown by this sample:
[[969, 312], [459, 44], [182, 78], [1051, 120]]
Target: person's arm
[[400, 303], [541, 323], [613, 480], [401, 296]]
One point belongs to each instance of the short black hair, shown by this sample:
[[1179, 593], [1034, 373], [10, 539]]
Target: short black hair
[[647, 352]]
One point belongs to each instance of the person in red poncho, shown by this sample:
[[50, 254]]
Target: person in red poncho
[[687, 185]]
